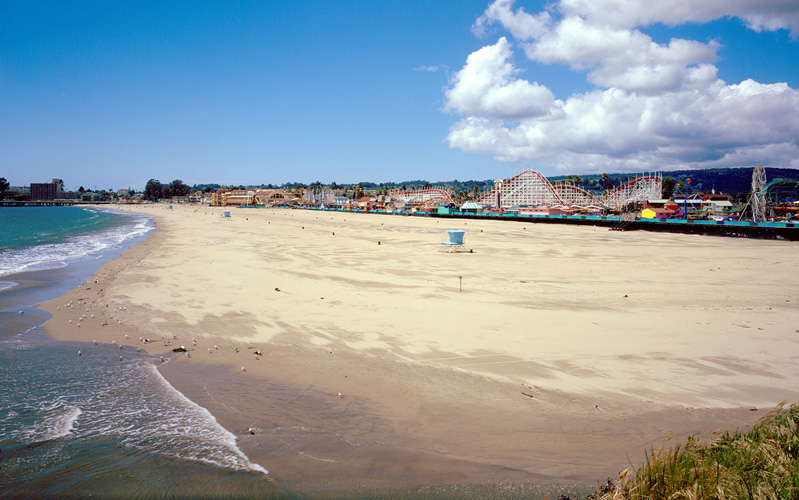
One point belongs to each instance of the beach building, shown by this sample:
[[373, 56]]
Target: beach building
[[47, 191], [226, 197], [661, 209], [471, 207], [217, 197], [707, 204], [718, 204], [250, 197], [42, 192], [540, 211], [266, 197], [91, 196], [366, 203]]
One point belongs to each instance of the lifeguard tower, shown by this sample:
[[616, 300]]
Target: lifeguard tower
[[452, 238]]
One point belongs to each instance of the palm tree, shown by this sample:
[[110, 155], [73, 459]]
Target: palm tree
[[569, 180], [577, 180], [605, 181]]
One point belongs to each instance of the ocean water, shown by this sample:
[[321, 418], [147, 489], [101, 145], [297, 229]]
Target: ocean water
[[104, 423], [37, 238]]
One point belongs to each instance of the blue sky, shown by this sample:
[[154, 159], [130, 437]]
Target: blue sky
[[111, 94]]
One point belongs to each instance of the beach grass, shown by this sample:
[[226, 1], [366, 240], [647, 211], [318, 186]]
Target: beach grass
[[762, 463]]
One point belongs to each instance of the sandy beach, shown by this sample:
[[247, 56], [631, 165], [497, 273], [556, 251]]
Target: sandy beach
[[364, 357]]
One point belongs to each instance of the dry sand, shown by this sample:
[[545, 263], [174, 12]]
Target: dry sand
[[568, 353]]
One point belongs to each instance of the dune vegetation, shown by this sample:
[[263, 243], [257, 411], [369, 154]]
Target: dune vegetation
[[762, 463]]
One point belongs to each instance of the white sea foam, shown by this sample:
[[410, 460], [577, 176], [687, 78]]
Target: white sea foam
[[145, 412], [219, 446], [63, 425], [7, 285], [56, 422], [58, 255]]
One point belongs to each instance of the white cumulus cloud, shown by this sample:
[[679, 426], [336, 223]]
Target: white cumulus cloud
[[654, 107], [620, 58], [523, 26], [487, 86], [757, 14]]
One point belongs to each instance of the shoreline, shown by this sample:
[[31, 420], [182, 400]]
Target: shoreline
[[437, 408]]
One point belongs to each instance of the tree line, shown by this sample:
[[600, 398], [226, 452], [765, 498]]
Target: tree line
[[155, 191]]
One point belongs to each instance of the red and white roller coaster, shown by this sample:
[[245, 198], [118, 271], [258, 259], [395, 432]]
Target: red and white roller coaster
[[423, 196], [532, 189]]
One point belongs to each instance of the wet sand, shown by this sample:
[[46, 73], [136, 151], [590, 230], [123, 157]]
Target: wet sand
[[549, 355]]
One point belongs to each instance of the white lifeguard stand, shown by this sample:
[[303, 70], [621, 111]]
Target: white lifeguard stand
[[452, 238]]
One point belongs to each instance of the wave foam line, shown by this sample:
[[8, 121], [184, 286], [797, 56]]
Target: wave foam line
[[63, 424], [59, 255], [226, 437]]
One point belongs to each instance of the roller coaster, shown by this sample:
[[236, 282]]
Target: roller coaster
[[781, 186], [423, 196], [324, 196], [531, 189], [766, 197]]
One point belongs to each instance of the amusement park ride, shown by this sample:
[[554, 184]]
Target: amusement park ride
[[764, 201], [531, 189]]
